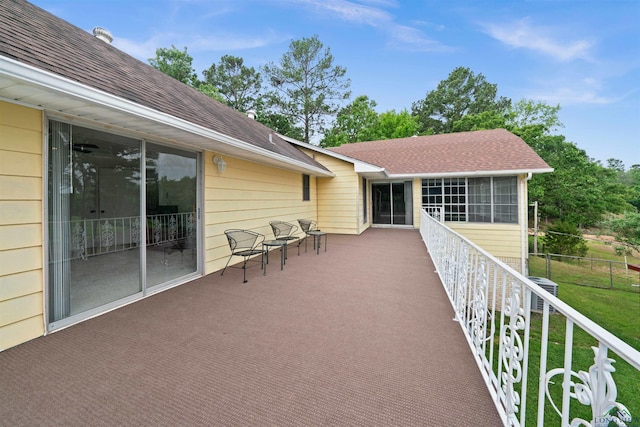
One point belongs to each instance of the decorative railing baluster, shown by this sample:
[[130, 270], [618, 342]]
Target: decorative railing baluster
[[490, 298]]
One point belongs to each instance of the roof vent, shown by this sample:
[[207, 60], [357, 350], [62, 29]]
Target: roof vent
[[251, 114], [103, 34]]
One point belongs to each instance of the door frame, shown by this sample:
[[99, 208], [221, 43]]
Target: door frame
[[53, 326], [407, 199]]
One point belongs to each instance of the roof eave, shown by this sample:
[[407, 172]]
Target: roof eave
[[360, 167], [468, 174], [164, 126]]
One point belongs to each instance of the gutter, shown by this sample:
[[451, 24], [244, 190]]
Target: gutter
[[54, 83], [525, 223], [471, 173]]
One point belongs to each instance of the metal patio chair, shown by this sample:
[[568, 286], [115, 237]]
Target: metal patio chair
[[245, 244], [284, 231], [307, 225]]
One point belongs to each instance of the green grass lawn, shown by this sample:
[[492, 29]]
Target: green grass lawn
[[617, 309], [627, 378]]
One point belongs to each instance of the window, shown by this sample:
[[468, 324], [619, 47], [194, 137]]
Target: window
[[505, 200], [306, 192], [449, 193], [480, 199], [487, 199]]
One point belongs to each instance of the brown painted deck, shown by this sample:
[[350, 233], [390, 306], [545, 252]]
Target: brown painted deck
[[361, 335]]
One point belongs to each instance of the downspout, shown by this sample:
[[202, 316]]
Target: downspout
[[525, 224]]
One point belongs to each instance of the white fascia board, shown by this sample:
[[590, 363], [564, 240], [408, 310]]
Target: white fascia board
[[55, 83], [359, 166], [471, 173]]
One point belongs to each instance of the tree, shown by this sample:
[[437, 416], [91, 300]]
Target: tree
[[563, 238], [359, 121], [306, 86], [625, 229], [175, 63], [391, 125], [579, 190], [278, 122], [460, 94], [353, 123], [238, 84], [210, 91], [528, 113], [632, 179], [481, 121]]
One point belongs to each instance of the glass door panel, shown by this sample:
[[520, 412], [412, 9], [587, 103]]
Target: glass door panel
[[171, 218], [397, 191], [381, 203], [94, 219], [392, 203]]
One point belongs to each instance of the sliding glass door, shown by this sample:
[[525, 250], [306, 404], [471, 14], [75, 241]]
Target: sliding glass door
[[392, 203], [171, 213], [109, 237]]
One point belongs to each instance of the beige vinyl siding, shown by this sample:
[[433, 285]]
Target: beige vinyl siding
[[500, 240], [248, 195], [417, 201], [339, 198], [21, 198]]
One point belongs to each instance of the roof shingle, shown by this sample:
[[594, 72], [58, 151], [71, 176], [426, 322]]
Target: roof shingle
[[32, 36], [464, 152]]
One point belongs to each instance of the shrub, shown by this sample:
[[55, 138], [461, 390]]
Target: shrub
[[563, 238]]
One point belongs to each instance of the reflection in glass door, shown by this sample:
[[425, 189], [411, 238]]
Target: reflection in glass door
[[171, 213], [392, 203], [94, 219], [99, 232]]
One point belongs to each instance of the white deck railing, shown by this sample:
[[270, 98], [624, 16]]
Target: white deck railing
[[524, 368]]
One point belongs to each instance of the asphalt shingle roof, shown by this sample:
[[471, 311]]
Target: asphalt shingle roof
[[478, 151], [31, 35]]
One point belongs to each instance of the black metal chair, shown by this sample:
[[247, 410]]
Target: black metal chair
[[246, 244], [307, 225], [284, 231]]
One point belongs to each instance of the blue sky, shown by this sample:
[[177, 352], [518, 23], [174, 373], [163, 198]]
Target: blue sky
[[581, 54]]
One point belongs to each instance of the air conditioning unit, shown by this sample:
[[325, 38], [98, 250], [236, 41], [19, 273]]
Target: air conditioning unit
[[537, 303]]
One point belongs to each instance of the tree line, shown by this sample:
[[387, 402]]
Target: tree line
[[303, 96]]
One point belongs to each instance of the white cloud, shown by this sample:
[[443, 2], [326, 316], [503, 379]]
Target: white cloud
[[521, 34], [146, 49], [587, 90], [373, 15]]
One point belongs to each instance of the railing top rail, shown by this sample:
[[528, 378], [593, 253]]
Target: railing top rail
[[621, 348]]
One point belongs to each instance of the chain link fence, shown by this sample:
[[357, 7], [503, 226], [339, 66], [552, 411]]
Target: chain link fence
[[594, 272]]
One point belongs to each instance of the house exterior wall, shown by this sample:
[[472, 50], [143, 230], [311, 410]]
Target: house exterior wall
[[248, 195], [501, 240], [417, 201], [339, 198], [21, 225]]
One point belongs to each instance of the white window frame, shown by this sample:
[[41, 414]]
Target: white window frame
[[455, 210]]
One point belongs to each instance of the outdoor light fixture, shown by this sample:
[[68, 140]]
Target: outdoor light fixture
[[222, 165]]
